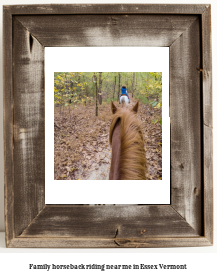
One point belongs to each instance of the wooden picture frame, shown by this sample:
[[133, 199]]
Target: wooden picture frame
[[186, 30]]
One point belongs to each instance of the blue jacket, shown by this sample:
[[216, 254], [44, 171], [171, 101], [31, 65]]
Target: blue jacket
[[124, 91]]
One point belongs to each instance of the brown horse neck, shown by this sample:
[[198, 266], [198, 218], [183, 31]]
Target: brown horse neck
[[116, 152], [128, 153]]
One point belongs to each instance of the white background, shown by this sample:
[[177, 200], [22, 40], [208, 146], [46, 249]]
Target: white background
[[139, 59], [201, 260]]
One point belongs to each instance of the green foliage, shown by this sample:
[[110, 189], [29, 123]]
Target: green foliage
[[73, 88], [142, 98], [149, 84], [70, 88]]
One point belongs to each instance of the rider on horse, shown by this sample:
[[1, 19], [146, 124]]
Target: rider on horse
[[124, 92]]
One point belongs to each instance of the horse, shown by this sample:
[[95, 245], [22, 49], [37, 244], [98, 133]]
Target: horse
[[124, 99], [128, 160]]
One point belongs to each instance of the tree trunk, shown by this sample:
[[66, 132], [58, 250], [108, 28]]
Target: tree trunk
[[119, 88], [100, 88], [133, 84], [78, 87], [96, 91], [106, 89], [114, 89], [69, 86]]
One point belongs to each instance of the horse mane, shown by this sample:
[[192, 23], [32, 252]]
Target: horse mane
[[132, 164]]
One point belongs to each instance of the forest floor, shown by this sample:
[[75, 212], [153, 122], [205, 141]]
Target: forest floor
[[81, 141]]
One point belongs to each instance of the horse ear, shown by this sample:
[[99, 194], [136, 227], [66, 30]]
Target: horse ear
[[136, 107], [113, 108]]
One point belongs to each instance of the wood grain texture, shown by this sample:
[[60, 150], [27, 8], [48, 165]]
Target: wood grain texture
[[186, 30], [8, 125], [207, 67], [208, 183], [109, 222], [29, 145], [107, 30], [69, 242], [106, 9], [207, 122], [185, 113]]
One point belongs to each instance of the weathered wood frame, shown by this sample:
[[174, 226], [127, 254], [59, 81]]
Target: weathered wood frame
[[186, 29]]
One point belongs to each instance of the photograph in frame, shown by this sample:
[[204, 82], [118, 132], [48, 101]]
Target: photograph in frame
[[81, 139]]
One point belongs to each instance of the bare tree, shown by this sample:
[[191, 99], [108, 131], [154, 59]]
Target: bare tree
[[100, 88], [94, 79], [119, 87], [133, 84], [114, 88]]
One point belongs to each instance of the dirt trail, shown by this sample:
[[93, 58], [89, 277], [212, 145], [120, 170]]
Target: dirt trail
[[81, 141]]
